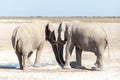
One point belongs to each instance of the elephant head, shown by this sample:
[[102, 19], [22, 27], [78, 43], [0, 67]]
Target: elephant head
[[52, 36], [57, 36], [62, 33]]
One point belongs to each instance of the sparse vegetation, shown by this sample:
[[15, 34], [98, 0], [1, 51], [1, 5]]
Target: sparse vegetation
[[58, 19]]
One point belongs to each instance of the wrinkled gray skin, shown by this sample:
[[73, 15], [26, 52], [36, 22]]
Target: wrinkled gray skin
[[30, 37], [84, 37]]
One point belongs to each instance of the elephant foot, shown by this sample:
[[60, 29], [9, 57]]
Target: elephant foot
[[80, 67], [94, 68], [25, 68], [21, 67], [97, 67], [62, 65], [36, 65], [66, 67]]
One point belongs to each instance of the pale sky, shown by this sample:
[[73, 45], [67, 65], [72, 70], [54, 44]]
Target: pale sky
[[59, 7]]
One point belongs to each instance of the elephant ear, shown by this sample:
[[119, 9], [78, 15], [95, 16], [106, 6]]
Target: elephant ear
[[50, 31], [47, 32], [61, 31]]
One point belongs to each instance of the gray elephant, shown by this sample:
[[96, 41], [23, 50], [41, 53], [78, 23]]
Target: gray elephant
[[29, 37], [82, 36]]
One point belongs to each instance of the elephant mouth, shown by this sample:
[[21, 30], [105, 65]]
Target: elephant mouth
[[62, 42], [53, 42], [59, 42]]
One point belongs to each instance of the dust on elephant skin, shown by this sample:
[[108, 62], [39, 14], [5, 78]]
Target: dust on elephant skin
[[84, 37], [29, 37]]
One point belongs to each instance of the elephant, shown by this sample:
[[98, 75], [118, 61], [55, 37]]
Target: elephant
[[29, 37], [84, 37]]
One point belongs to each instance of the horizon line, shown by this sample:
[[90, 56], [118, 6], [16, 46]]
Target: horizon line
[[60, 16]]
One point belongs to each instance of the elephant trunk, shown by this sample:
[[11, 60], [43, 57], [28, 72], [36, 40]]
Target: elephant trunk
[[60, 52], [57, 55]]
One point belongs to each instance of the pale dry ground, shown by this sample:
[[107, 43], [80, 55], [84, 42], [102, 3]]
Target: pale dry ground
[[49, 69]]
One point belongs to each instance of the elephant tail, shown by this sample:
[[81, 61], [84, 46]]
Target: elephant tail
[[15, 39], [107, 45]]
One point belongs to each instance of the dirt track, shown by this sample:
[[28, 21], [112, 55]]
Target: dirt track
[[50, 70]]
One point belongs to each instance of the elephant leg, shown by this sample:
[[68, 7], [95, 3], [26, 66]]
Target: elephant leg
[[38, 53], [25, 62], [19, 55], [99, 61], [29, 57], [60, 52], [79, 58], [25, 54], [69, 49]]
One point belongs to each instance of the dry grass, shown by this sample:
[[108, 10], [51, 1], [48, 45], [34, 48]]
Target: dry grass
[[58, 19], [84, 19]]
